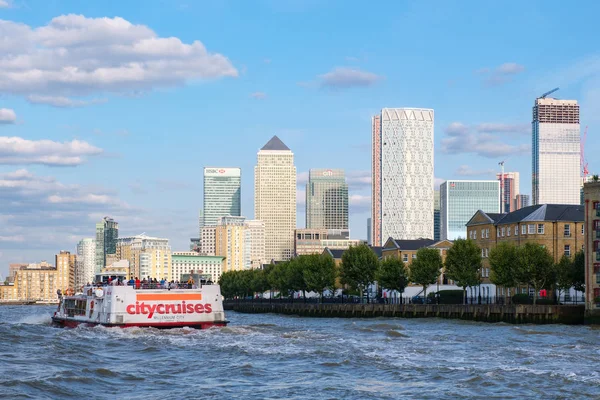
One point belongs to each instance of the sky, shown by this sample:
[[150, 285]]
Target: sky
[[114, 108]]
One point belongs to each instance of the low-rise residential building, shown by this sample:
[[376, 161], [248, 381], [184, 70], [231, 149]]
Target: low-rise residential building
[[148, 256], [592, 248], [314, 241], [33, 283], [184, 262], [558, 227]]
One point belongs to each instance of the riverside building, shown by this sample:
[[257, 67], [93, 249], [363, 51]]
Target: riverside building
[[86, 262], [459, 200], [592, 249], [275, 198], [148, 256], [107, 233], [403, 174], [314, 241], [556, 152], [184, 262], [326, 199]]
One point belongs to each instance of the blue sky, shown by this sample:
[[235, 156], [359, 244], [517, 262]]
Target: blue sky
[[118, 116]]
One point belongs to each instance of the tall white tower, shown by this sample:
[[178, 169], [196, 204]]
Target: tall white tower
[[275, 198], [556, 162], [406, 173], [85, 266]]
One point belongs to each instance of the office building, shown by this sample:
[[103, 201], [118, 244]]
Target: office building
[[254, 244], [107, 233], [314, 241], [592, 250], [326, 199], [206, 244], [376, 180], [86, 262], [556, 161], [222, 194], [149, 257], [522, 201], [405, 180], [275, 198], [460, 200], [436, 215], [509, 186], [184, 262]]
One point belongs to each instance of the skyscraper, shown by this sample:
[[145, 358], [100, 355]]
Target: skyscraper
[[436, 215], [522, 201], [460, 200], [326, 199], [510, 191], [369, 232], [222, 194], [107, 232], [556, 176], [376, 181], [405, 178], [275, 198], [86, 262]]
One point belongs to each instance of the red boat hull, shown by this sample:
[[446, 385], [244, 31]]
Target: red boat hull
[[69, 323]]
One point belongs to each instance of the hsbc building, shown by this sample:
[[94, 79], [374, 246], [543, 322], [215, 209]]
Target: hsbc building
[[222, 194]]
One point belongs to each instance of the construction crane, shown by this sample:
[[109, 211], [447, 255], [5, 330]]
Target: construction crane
[[584, 164], [547, 93]]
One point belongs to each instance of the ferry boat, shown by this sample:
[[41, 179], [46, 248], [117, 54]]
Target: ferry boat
[[126, 306]]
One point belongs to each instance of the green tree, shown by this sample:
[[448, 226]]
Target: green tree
[[505, 266], [227, 285], [294, 274], [426, 268], [259, 282], [358, 268], [563, 274], [463, 264], [392, 274], [537, 267], [578, 271], [319, 273], [277, 278]]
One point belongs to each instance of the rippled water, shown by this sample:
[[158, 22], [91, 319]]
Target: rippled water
[[272, 356]]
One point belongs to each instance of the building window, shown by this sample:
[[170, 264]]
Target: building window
[[414, 256], [582, 225], [487, 252], [523, 229], [405, 257], [487, 233], [482, 253], [508, 231], [531, 229], [567, 250], [502, 232], [540, 229], [483, 233], [567, 230], [516, 230]]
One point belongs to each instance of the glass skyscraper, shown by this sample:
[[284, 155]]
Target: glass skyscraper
[[107, 233], [326, 199], [436, 215], [222, 194], [556, 151], [460, 200]]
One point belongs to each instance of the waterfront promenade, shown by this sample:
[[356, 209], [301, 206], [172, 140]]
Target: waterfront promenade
[[516, 314]]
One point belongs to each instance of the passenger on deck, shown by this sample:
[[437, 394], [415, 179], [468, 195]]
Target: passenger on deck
[[137, 283], [190, 282], [131, 282]]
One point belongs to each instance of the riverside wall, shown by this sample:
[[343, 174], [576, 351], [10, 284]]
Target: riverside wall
[[515, 314]]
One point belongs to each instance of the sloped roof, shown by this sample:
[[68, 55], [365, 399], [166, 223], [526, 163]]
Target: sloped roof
[[545, 212], [378, 250], [275, 144], [414, 244], [336, 254]]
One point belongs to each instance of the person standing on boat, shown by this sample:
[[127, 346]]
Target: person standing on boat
[[137, 283]]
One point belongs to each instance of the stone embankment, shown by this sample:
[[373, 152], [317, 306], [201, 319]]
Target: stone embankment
[[516, 314]]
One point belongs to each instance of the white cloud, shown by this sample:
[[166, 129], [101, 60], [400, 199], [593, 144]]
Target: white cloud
[[259, 95], [359, 203], [75, 56], [62, 101], [524, 129], [302, 178], [14, 238], [359, 179], [464, 139], [16, 150], [465, 170], [501, 74], [7, 116], [345, 78], [4, 4]]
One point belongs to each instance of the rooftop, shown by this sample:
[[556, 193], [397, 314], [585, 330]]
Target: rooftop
[[414, 244], [275, 144], [539, 212]]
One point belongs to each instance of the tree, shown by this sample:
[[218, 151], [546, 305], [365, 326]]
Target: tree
[[505, 266], [537, 267], [392, 274], [294, 274], [277, 278], [319, 273], [425, 269], [358, 268], [578, 271], [463, 264], [259, 281], [563, 274]]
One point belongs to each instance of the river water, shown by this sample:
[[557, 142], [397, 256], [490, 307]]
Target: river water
[[273, 357]]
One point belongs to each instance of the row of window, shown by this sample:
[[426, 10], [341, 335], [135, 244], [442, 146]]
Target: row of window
[[529, 229]]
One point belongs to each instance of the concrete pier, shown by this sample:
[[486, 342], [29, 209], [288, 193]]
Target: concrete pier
[[515, 314]]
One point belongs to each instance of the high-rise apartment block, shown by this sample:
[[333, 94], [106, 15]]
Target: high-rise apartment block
[[86, 262], [107, 233], [275, 198], [326, 199], [376, 181], [460, 200], [229, 242], [148, 256], [65, 270], [509, 186], [522, 201], [556, 164], [254, 246], [222, 194], [402, 174], [206, 244]]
